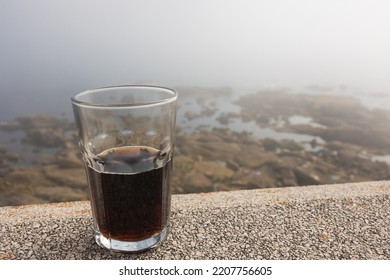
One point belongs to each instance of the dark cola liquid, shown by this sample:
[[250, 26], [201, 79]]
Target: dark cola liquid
[[131, 197]]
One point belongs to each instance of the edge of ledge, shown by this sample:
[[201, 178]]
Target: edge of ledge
[[182, 202], [277, 195]]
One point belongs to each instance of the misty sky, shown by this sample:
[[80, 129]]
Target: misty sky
[[53, 47]]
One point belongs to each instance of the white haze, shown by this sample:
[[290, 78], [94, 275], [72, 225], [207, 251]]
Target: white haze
[[54, 48]]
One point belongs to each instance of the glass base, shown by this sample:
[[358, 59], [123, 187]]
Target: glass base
[[131, 246]]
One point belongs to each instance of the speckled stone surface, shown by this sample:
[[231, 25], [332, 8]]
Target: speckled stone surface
[[348, 221]]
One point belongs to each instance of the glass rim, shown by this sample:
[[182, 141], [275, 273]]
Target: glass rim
[[161, 101]]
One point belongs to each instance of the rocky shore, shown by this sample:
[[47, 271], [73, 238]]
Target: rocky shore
[[346, 140]]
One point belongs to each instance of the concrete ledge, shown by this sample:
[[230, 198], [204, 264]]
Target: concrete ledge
[[347, 221]]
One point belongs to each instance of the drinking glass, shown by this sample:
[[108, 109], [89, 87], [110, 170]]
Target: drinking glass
[[126, 137]]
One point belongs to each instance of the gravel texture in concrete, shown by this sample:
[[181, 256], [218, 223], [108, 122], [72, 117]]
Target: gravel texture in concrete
[[346, 221]]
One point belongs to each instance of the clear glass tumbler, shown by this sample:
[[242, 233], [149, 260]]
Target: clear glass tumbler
[[127, 137]]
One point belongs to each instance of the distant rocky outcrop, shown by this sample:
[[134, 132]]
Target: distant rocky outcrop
[[345, 118], [349, 137]]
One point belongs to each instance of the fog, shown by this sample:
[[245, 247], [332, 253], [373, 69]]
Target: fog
[[52, 49]]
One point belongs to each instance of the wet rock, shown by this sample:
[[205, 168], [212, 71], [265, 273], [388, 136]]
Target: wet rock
[[251, 179], [262, 120], [15, 199], [290, 145], [10, 126], [182, 167], [13, 157], [191, 116], [368, 137], [214, 171], [47, 160], [208, 146], [69, 159], [197, 175], [7, 159], [208, 111], [270, 144], [26, 176], [44, 137], [253, 156], [344, 117], [232, 165], [282, 174], [198, 183], [304, 179], [223, 119], [60, 193], [72, 177], [29, 185], [41, 121], [200, 94]]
